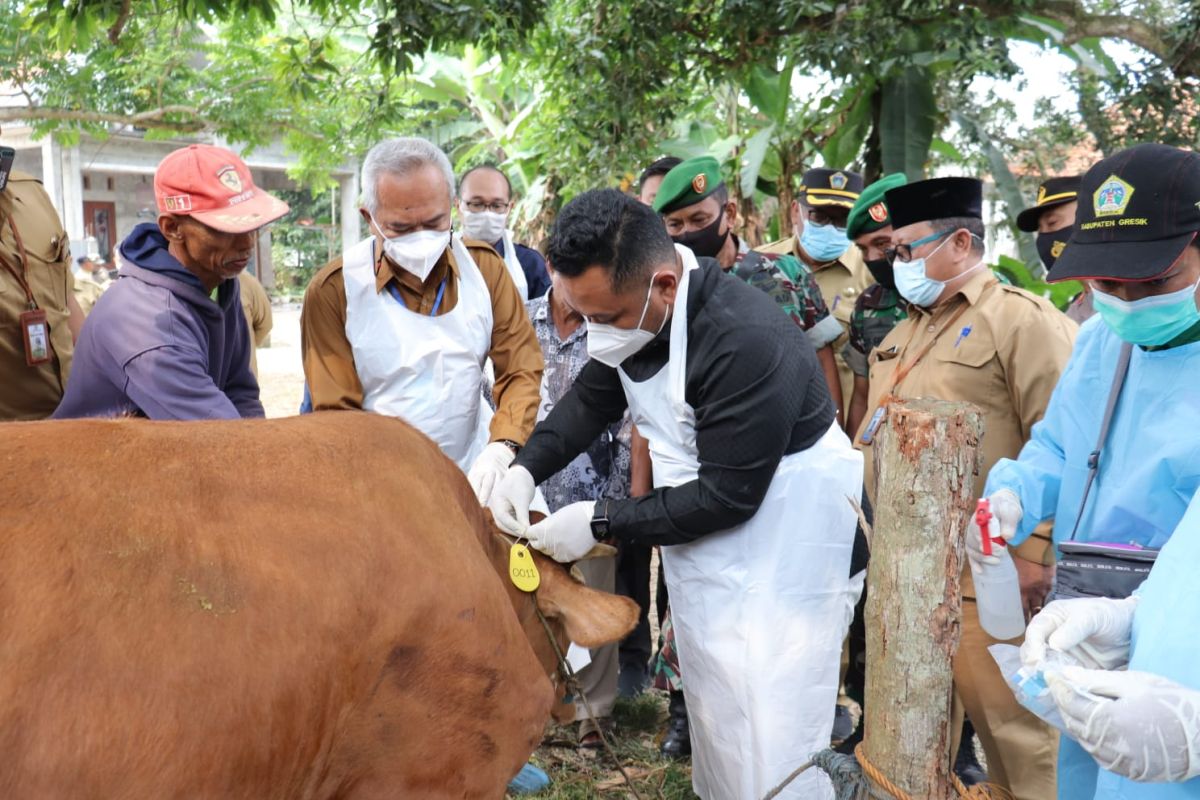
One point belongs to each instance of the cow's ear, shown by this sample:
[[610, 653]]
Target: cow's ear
[[589, 617]]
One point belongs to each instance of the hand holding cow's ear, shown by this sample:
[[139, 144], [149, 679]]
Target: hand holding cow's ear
[[511, 499], [565, 535]]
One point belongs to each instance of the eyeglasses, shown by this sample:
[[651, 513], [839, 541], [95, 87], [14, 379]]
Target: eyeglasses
[[904, 251], [818, 217], [498, 207]]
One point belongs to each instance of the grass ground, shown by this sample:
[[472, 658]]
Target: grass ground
[[586, 774]]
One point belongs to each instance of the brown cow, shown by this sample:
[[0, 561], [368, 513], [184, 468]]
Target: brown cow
[[299, 608]]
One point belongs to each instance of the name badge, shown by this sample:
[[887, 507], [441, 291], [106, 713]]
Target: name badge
[[872, 426], [36, 332]]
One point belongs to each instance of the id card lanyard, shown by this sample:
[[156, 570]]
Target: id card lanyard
[[35, 330], [902, 372]]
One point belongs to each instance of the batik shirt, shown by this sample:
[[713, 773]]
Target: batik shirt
[[603, 469]]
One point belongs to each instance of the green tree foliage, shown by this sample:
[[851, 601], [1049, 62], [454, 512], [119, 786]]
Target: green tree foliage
[[572, 94]]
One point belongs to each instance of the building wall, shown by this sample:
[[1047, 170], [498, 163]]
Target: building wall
[[131, 195]]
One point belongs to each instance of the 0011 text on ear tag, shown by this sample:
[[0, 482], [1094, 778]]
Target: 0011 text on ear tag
[[522, 570]]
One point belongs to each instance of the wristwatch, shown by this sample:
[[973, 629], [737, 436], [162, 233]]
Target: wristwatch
[[600, 522], [511, 445]]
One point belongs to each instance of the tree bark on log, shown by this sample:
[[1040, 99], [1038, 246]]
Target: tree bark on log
[[926, 459]]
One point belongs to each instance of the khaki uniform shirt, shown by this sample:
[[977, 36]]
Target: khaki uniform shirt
[[841, 282], [1004, 353], [515, 352], [256, 307], [33, 392], [88, 290]]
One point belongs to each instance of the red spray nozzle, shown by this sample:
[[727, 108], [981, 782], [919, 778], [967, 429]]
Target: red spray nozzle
[[983, 518]]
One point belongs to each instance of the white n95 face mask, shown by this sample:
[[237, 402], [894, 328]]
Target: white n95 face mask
[[415, 252], [611, 345], [486, 226]]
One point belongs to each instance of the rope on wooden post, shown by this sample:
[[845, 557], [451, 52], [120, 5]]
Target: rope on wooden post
[[982, 791], [856, 778]]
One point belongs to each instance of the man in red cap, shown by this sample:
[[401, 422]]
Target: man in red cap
[[168, 340]]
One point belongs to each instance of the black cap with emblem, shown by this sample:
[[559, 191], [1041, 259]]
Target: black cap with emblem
[[830, 187], [1053, 192], [1138, 212]]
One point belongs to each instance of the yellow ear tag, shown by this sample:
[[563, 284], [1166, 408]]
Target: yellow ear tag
[[522, 570]]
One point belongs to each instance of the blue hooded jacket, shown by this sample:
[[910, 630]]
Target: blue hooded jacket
[[156, 345]]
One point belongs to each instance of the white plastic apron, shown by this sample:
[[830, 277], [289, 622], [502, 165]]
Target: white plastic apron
[[514, 266], [759, 610], [425, 370]]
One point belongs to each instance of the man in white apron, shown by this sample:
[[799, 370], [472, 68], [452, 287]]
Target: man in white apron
[[483, 206], [403, 322], [751, 477]]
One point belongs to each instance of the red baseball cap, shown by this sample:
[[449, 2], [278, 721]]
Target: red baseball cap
[[214, 186]]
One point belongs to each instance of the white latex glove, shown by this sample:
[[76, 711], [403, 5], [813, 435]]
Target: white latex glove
[[1136, 724], [489, 469], [510, 501], [1092, 630], [1006, 516], [565, 535]]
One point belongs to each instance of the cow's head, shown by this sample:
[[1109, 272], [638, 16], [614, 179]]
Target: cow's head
[[575, 613]]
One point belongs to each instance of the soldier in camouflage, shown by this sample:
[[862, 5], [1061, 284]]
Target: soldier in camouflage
[[879, 307], [698, 214]]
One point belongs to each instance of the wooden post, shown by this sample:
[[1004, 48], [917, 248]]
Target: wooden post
[[926, 457]]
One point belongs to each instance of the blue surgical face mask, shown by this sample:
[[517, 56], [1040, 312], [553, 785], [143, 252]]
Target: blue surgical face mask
[[823, 242], [914, 285], [1151, 321]]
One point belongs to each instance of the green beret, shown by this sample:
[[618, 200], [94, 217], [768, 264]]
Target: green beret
[[870, 212], [688, 184]]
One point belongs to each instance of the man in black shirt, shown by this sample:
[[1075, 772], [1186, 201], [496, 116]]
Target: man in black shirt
[[751, 475]]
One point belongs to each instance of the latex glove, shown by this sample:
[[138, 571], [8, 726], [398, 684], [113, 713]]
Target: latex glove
[[1092, 630], [1136, 724], [1006, 516], [489, 469], [565, 535], [510, 501]]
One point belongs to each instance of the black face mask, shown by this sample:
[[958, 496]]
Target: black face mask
[[707, 241], [883, 273], [1050, 245]]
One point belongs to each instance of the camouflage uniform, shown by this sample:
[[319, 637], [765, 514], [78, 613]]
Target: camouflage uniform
[[793, 288], [876, 312]]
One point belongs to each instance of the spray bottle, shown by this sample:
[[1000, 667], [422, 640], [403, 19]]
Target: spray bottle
[[997, 591]]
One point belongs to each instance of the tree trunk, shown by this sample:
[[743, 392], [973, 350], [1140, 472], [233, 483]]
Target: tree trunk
[[926, 458], [786, 191]]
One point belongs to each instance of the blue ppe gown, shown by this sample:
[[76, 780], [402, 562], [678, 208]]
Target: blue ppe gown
[[1165, 642], [1149, 473]]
